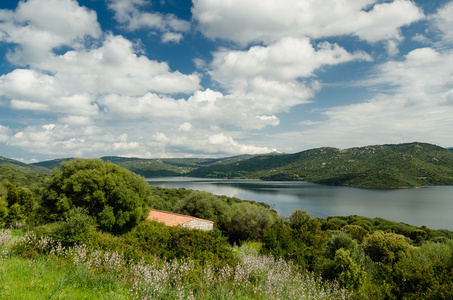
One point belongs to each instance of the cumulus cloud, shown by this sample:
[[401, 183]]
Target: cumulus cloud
[[131, 14], [285, 60], [168, 37], [31, 90], [417, 107], [246, 21], [115, 67], [443, 21], [243, 111], [39, 26], [78, 78]]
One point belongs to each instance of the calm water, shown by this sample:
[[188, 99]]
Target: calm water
[[431, 206]]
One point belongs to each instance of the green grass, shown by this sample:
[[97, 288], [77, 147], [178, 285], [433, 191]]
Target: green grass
[[45, 278]]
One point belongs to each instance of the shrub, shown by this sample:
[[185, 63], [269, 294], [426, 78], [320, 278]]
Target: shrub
[[386, 247], [76, 227], [246, 221], [116, 198], [339, 241], [355, 231], [345, 270]]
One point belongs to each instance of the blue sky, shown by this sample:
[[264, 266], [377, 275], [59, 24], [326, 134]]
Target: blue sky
[[215, 78]]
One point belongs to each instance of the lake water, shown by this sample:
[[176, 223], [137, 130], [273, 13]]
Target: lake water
[[431, 206]]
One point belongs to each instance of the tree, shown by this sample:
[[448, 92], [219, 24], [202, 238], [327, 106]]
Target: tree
[[114, 197], [20, 203], [386, 247]]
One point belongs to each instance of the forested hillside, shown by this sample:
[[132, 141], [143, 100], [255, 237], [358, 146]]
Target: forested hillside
[[154, 167], [380, 166]]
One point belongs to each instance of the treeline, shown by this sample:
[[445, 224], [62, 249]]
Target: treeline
[[103, 207]]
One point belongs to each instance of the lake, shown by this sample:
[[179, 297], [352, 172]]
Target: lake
[[430, 206]]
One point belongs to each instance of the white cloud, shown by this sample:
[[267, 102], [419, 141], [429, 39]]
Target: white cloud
[[32, 90], [5, 133], [115, 67], [39, 26], [131, 13], [168, 37], [285, 60], [246, 21], [443, 20], [417, 108]]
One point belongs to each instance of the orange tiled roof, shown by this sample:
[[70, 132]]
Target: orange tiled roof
[[169, 218]]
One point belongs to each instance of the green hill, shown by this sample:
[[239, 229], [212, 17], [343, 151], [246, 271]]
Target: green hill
[[379, 166], [20, 173], [7, 162], [155, 167]]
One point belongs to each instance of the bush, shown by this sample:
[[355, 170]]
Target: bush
[[202, 205], [345, 270], [76, 227], [339, 241], [113, 196], [246, 222], [426, 274], [176, 242], [386, 247], [355, 231]]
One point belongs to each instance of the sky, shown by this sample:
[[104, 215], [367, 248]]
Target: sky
[[218, 78]]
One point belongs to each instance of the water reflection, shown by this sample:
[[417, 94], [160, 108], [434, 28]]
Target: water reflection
[[430, 206]]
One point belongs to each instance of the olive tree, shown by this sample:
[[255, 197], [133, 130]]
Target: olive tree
[[114, 197]]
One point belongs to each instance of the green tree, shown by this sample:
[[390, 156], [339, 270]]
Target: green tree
[[20, 202], [114, 197], [202, 205], [386, 248], [246, 221], [355, 231], [3, 210], [348, 273], [341, 240]]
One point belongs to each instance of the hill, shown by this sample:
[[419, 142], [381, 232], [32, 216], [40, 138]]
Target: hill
[[20, 173], [7, 162], [155, 167], [379, 166]]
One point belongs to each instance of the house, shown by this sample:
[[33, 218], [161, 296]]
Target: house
[[174, 219]]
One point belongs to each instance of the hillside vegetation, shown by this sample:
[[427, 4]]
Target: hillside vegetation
[[153, 167], [381, 166]]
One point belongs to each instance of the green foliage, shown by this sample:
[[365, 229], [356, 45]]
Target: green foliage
[[355, 231], [339, 241], [176, 242], [114, 197], [18, 203], [380, 166], [3, 210], [386, 248], [345, 270], [301, 240], [202, 205], [246, 221], [76, 227], [427, 273]]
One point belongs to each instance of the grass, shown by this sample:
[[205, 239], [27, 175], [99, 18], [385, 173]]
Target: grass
[[46, 278], [40, 268]]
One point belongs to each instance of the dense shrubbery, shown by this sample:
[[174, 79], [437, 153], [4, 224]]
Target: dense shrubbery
[[116, 198]]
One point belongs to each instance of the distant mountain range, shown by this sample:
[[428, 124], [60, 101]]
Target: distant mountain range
[[378, 166]]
